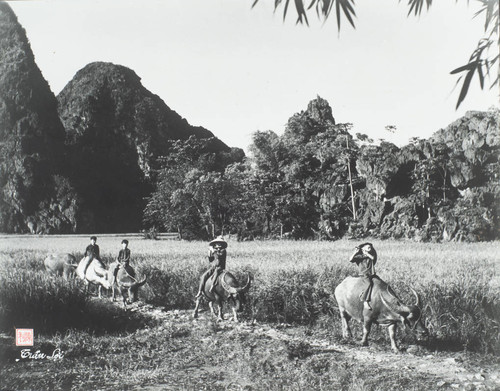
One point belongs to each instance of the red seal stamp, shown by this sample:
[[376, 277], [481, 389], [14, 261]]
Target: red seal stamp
[[24, 337]]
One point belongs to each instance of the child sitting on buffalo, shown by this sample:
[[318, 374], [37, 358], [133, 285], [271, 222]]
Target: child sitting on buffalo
[[365, 257], [124, 260], [91, 253], [217, 259]]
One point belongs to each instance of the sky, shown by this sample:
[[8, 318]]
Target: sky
[[234, 69]]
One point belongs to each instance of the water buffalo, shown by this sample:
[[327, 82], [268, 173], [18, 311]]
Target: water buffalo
[[227, 289], [61, 265], [386, 309], [125, 281], [96, 274]]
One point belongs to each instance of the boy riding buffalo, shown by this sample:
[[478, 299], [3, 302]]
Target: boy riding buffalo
[[217, 260]]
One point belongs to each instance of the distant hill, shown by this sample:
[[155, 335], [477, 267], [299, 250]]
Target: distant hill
[[34, 195], [115, 131]]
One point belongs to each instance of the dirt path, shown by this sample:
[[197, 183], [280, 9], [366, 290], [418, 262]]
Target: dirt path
[[450, 370]]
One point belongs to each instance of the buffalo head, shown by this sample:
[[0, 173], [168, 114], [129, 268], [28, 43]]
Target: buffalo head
[[411, 315], [236, 294]]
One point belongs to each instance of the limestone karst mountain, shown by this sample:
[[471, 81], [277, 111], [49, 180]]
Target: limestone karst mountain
[[83, 162], [34, 195], [115, 131]]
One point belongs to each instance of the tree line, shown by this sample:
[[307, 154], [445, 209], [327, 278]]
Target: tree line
[[318, 181]]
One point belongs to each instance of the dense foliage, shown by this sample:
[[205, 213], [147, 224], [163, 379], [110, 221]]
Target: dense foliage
[[317, 181], [198, 190]]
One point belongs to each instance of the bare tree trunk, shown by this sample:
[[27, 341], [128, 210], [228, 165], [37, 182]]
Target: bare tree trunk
[[350, 180]]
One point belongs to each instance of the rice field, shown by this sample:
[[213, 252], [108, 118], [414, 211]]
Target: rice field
[[292, 286]]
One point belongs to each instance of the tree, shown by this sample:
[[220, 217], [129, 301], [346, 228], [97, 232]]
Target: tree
[[306, 172], [192, 195], [481, 61]]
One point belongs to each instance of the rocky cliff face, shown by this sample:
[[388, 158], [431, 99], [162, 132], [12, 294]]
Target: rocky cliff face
[[451, 190], [115, 131], [475, 142], [33, 193]]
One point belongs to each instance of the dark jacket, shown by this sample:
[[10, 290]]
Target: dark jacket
[[92, 251], [124, 256]]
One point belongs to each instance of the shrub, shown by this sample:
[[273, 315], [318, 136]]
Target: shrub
[[48, 304], [465, 313], [288, 296], [170, 287]]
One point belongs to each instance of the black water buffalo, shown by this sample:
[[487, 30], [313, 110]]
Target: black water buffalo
[[226, 289], [125, 281], [63, 265], [386, 309]]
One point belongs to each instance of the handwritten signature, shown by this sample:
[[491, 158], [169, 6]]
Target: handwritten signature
[[57, 354]]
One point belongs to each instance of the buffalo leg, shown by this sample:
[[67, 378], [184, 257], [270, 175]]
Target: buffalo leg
[[219, 304], [198, 300], [344, 316], [392, 336], [124, 298], [235, 315], [367, 325], [211, 305]]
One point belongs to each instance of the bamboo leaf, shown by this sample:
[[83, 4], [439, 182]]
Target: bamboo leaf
[[466, 67], [347, 12], [465, 87], [299, 6], [325, 9], [286, 9], [495, 83], [337, 9], [481, 76], [329, 7]]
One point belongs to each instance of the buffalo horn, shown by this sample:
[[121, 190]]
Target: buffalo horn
[[229, 289], [247, 285], [133, 284], [232, 290], [418, 303], [398, 308], [387, 304]]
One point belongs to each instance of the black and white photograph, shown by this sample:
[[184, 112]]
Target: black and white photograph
[[249, 195]]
